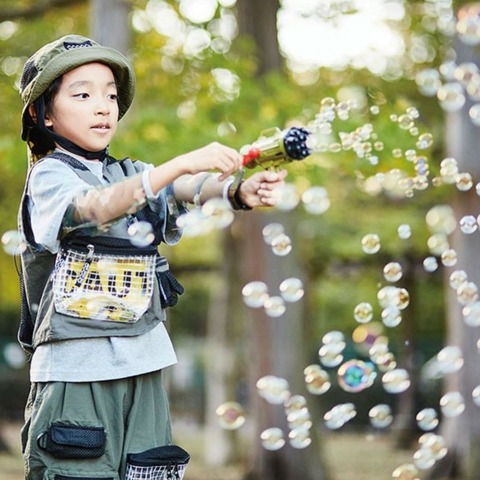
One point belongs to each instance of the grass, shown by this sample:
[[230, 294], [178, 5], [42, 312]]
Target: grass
[[349, 456]]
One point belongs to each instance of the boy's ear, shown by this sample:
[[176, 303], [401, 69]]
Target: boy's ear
[[33, 114]]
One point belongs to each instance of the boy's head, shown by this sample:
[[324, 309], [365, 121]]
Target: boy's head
[[40, 79]]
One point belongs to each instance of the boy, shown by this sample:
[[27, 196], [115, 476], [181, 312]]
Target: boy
[[95, 302]]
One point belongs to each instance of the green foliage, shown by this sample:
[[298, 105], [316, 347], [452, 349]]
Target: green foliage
[[181, 104]]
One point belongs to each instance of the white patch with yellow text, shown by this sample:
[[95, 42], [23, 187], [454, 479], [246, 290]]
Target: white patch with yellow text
[[112, 288]]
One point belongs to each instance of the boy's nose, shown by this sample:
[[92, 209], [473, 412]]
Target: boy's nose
[[102, 107]]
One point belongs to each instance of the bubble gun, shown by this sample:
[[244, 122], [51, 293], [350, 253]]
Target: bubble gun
[[275, 147]]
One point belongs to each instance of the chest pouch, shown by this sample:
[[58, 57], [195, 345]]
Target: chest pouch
[[102, 286]]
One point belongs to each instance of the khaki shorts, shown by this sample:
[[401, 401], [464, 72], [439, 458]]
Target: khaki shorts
[[85, 430]]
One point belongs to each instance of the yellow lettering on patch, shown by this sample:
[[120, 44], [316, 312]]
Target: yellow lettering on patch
[[110, 288]]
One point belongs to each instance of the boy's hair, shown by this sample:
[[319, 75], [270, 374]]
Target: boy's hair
[[40, 81]]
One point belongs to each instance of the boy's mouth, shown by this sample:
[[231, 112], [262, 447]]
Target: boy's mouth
[[101, 126]]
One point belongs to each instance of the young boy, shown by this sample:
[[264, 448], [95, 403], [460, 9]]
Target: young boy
[[95, 302]]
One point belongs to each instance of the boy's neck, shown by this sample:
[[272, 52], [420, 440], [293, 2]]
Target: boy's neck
[[75, 155]]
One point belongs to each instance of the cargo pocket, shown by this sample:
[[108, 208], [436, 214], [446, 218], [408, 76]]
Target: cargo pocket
[[160, 463], [73, 441], [68, 477]]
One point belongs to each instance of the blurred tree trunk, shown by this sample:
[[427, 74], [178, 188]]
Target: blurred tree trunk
[[462, 433], [110, 23], [277, 344]]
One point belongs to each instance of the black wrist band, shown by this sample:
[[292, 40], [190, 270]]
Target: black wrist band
[[234, 197]]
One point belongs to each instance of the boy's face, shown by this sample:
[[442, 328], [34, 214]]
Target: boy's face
[[85, 109]]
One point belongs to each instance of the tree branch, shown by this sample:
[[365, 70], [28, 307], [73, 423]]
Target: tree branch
[[35, 10]]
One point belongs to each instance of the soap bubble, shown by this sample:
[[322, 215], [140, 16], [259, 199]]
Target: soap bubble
[[450, 359], [391, 316], [451, 97], [438, 243], [471, 314], [363, 312], [193, 223], [427, 419], [392, 272], [255, 294], [467, 293], [141, 234], [430, 264], [423, 458], [436, 443], [218, 213], [339, 415], [452, 404], [464, 181], [380, 416], [476, 395], [468, 224], [286, 197], [271, 231], [14, 355], [468, 25], [396, 380], [230, 415], [405, 122], [295, 403], [428, 81], [448, 171], [424, 141], [291, 289], [457, 278], [474, 114], [466, 72], [356, 375], [281, 245], [315, 200], [274, 306], [273, 389], [371, 243], [441, 219], [330, 354], [407, 471], [449, 257], [272, 439], [404, 231], [13, 243], [317, 380], [299, 438]]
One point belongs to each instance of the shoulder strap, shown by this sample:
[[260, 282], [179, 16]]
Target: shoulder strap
[[78, 167]]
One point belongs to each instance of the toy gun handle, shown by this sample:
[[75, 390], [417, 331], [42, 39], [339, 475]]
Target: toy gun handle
[[276, 147]]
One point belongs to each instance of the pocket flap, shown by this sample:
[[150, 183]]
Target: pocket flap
[[164, 455], [79, 436]]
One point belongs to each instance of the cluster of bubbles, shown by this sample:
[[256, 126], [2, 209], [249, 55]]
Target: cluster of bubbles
[[365, 144], [276, 391], [214, 214], [452, 84], [356, 375]]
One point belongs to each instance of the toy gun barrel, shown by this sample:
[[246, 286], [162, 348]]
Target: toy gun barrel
[[276, 147]]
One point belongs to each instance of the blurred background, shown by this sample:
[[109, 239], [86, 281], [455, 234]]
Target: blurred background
[[335, 336]]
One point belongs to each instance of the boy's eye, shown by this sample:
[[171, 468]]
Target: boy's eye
[[81, 95], [113, 96]]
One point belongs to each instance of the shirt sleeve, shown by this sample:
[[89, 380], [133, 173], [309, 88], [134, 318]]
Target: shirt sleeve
[[52, 188], [165, 205]]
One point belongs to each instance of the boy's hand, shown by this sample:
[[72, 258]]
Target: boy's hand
[[214, 156], [259, 189]]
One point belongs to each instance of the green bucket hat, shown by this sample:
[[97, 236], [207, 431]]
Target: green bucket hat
[[65, 54]]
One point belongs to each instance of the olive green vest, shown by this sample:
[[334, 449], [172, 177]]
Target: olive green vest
[[40, 321]]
